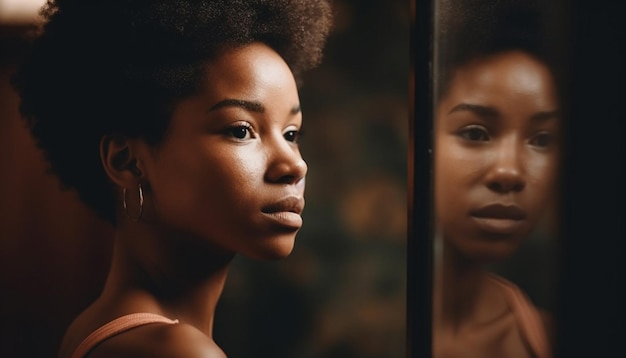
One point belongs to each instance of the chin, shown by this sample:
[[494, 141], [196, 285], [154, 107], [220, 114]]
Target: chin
[[278, 255], [492, 252], [274, 249]]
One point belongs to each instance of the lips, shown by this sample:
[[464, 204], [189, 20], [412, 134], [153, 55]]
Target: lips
[[499, 218], [284, 214], [500, 211], [292, 204]]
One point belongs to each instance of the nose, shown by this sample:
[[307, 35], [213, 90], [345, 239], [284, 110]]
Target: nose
[[507, 173], [286, 165]]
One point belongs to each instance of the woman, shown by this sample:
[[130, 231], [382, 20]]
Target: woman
[[496, 157], [176, 121]]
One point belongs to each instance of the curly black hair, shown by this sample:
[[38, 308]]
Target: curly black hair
[[472, 29], [119, 67]]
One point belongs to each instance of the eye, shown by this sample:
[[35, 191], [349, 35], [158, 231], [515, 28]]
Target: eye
[[542, 140], [474, 133], [293, 135], [241, 131]]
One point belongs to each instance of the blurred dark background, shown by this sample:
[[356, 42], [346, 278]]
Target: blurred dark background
[[342, 291]]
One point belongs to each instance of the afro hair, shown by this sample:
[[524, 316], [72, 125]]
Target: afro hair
[[119, 66]]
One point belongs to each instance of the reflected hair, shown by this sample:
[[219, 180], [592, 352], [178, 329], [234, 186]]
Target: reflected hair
[[473, 29]]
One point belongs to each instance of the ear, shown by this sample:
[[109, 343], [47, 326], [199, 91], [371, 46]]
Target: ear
[[118, 155]]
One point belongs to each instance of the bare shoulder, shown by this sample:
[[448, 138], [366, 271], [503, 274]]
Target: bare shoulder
[[159, 340], [546, 317], [184, 340], [548, 322]]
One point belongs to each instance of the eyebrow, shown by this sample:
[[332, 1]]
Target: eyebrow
[[491, 112], [483, 111], [250, 106], [545, 116]]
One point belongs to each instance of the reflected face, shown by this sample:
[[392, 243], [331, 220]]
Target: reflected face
[[496, 154], [229, 171]]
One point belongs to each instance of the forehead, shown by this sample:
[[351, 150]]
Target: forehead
[[504, 80], [248, 70], [253, 74]]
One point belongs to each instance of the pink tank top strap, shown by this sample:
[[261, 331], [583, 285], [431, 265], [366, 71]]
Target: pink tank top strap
[[117, 326], [529, 319]]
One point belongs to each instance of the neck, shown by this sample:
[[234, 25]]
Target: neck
[[176, 277], [459, 292]]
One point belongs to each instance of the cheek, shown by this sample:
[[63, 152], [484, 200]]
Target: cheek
[[178, 185], [452, 179], [206, 183], [235, 180], [542, 174], [227, 177], [457, 169], [542, 169]]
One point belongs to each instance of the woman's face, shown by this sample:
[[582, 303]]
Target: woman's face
[[496, 154], [229, 171]]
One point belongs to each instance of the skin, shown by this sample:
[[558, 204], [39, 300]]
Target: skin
[[231, 154], [496, 143], [227, 179]]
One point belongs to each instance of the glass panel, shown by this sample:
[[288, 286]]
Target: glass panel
[[496, 157]]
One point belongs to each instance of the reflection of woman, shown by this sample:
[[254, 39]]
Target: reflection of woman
[[496, 158], [177, 121]]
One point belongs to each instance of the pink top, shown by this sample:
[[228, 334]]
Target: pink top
[[117, 326], [527, 317]]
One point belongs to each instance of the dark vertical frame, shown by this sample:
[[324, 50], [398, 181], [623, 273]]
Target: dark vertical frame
[[419, 245], [590, 307]]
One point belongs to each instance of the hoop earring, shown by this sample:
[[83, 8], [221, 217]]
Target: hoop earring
[[140, 205]]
